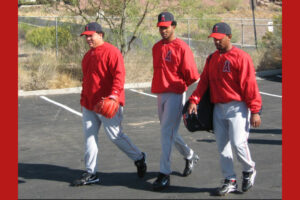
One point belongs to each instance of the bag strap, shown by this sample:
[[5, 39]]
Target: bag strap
[[208, 59]]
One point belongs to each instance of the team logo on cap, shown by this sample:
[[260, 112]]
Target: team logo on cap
[[86, 28], [163, 18], [216, 29]]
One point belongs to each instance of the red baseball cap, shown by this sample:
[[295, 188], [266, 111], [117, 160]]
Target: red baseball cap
[[165, 19], [92, 28], [220, 30]]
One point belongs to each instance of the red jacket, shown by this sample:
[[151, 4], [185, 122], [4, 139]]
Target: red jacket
[[103, 75], [174, 67], [231, 77]]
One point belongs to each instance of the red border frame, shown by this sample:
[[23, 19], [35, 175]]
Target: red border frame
[[9, 100], [290, 103]]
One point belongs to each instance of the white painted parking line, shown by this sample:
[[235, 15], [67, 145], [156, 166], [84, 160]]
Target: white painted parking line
[[273, 95], [61, 105], [264, 93], [133, 90], [151, 95]]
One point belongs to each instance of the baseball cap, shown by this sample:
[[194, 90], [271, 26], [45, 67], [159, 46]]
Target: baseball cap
[[165, 19], [220, 30], [91, 28]]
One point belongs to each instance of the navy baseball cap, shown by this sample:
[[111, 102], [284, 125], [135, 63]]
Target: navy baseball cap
[[91, 28], [220, 30], [165, 19]]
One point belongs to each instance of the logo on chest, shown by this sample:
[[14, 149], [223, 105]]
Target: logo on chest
[[226, 67], [168, 56]]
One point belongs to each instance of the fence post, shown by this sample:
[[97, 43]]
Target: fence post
[[56, 39], [189, 40], [242, 33], [254, 26]]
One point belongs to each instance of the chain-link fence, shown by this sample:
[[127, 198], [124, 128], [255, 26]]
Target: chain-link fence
[[192, 30], [60, 35]]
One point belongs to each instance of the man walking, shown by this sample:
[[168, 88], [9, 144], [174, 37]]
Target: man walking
[[174, 70], [103, 77], [230, 74]]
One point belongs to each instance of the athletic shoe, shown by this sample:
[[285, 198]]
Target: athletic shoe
[[248, 180], [228, 186], [141, 166], [86, 179], [161, 182], [189, 165]]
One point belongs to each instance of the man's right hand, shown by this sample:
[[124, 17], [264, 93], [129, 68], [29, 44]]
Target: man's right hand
[[192, 108]]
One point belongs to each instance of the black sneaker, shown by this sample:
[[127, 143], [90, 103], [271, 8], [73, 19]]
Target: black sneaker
[[141, 166], [161, 182], [248, 180], [86, 179], [189, 165], [228, 186]]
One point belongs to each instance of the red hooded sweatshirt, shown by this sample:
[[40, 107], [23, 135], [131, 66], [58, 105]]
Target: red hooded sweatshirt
[[174, 67], [103, 75], [230, 77]]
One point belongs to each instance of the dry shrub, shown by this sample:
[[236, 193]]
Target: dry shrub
[[138, 65], [63, 81], [24, 79], [256, 56], [229, 5], [40, 71]]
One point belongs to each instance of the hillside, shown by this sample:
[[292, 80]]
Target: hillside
[[265, 9], [48, 62]]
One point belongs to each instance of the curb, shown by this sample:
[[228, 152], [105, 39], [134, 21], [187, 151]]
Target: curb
[[269, 72], [75, 90]]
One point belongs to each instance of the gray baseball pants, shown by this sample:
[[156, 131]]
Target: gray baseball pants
[[169, 111], [92, 122], [231, 127]]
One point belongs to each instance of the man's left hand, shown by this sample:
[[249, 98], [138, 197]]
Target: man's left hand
[[255, 120]]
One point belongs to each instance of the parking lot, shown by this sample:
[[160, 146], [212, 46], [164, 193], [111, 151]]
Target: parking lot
[[51, 150]]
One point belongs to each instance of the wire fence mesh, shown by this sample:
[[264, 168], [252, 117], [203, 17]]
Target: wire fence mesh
[[69, 47]]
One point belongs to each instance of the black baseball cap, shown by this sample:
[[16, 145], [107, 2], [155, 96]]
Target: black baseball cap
[[165, 19], [220, 30], [91, 28]]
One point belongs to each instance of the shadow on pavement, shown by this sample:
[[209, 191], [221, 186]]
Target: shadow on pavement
[[270, 131], [262, 141], [47, 172], [130, 180], [206, 140], [273, 78]]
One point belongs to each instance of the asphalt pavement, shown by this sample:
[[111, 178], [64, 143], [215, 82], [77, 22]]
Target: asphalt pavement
[[51, 151]]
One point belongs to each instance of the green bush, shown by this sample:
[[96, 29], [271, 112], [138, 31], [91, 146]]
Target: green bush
[[24, 2], [45, 37], [37, 2], [23, 29], [205, 26], [43, 1], [271, 44], [70, 2]]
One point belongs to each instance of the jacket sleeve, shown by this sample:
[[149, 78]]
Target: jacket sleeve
[[117, 70], [249, 88], [201, 87], [188, 67]]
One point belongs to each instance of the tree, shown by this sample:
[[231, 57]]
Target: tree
[[123, 17]]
